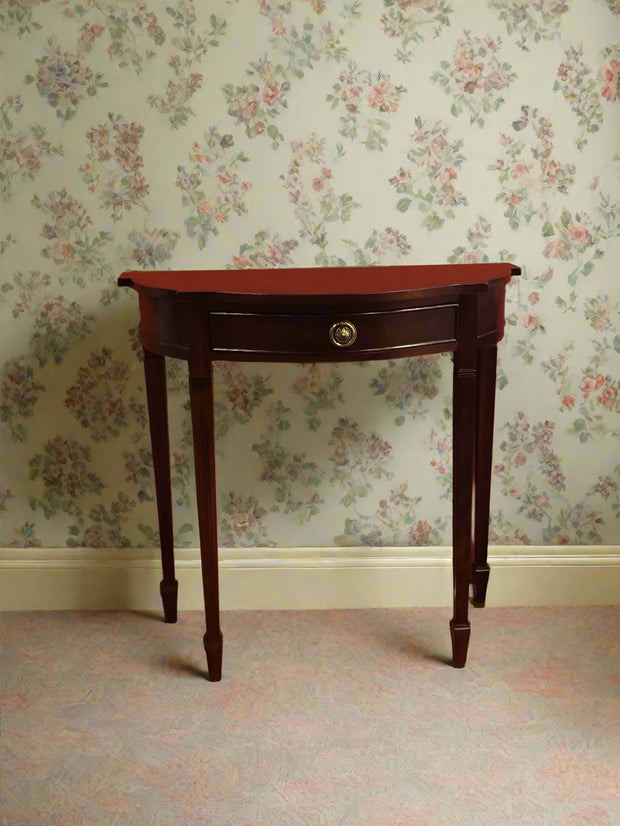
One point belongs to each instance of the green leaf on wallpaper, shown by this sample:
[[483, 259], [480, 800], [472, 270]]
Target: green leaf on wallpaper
[[587, 268], [179, 537], [19, 433], [547, 229], [617, 344], [579, 425], [433, 221], [399, 420], [353, 10], [565, 218], [404, 204]]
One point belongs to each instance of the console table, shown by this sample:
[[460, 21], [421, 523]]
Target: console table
[[318, 315]]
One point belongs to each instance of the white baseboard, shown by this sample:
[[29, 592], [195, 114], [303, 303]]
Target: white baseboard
[[303, 578]]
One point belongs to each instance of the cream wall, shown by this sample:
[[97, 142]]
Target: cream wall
[[235, 134]]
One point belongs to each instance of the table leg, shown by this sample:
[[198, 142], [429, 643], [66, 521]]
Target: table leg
[[201, 399], [464, 420], [487, 372], [155, 376]]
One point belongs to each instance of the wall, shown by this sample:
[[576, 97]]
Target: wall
[[170, 135]]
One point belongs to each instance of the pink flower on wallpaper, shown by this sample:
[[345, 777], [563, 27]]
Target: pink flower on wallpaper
[[21, 150], [58, 325], [551, 6], [467, 71], [364, 95], [266, 251], [379, 97], [75, 245], [580, 89], [420, 533], [578, 233], [19, 393], [471, 257], [88, 35], [241, 522], [430, 184], [147, 20], [63, 80], [527, 171], [114, 165], [591, 383], [212, 189], [531, 320], [611, 81], [557, 248], [246, 105], [357, 457], [257, 104], [310, 186], [27, 156], [410, 20], [532, 22], [608, 397], [475, 76], [598, 313], [64, 470], [271, 93], [152, 248]]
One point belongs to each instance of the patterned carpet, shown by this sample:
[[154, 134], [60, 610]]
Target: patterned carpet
[[322, 717]]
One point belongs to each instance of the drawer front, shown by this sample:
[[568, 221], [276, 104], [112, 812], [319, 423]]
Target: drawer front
[[331, 335]]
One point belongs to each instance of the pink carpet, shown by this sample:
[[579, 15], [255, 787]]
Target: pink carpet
[[331, 718]]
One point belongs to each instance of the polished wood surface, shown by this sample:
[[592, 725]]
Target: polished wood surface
[[333, 314], [348, 282]]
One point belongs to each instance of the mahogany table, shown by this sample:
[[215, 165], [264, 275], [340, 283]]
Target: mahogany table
[[312, 315]]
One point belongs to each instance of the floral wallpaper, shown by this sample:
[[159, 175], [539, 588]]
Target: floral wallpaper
[[250, 133]]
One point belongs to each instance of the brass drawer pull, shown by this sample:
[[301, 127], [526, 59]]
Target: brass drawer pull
[[342, 333]]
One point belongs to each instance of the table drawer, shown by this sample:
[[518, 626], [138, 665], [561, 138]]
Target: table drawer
[[332, 335]]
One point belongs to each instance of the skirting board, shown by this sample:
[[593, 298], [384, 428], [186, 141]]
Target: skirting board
[[303, 578]]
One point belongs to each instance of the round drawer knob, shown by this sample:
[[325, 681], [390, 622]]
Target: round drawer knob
[[342, 334]]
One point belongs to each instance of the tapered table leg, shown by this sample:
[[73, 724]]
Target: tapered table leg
[[485, 410], [201, 399], [155, 376], [464, 419]]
